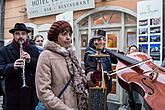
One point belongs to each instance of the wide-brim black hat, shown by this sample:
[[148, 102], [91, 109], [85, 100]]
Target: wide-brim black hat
[[19, 27]]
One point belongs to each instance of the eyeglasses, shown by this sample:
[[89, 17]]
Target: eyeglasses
[[20, 33]]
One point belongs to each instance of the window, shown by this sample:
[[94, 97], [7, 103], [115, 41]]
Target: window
[[115, 18], [84, 42], [31, 34], [130, 19], [110, 17], [97, 20], [84, 22], [112, 40]]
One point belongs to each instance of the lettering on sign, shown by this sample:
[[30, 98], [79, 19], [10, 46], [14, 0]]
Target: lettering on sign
[[37, 8]]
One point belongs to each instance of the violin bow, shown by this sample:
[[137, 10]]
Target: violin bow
[[128, 67]]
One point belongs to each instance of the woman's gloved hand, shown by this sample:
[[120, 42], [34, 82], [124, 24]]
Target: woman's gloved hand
[[96, 76]]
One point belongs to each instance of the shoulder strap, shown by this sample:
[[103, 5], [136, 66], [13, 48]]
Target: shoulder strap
[[66, 85]]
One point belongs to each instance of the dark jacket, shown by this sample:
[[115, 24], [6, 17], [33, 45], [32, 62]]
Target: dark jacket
[[90, 64], [19, 98]]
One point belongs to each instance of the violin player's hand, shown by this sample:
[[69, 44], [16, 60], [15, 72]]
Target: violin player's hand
[[96, 76]]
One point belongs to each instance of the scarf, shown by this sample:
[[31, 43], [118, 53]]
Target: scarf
[[79, 79], [17, 45]]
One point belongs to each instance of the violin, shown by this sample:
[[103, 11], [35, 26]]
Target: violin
[[137, 72]]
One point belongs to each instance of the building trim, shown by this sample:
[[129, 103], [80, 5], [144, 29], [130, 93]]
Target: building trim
[[43, 27], [34, 26], [114, 8]]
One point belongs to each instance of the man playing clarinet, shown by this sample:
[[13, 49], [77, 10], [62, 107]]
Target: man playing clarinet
[[18, 64]]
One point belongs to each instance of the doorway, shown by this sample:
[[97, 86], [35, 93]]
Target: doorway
[[116, 23]]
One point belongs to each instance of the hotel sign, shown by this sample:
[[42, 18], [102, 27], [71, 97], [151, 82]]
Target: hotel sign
[[38, 8]]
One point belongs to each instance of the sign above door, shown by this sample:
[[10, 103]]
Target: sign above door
[[38, 8]]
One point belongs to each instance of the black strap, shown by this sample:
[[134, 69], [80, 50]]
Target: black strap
[[66, 85]]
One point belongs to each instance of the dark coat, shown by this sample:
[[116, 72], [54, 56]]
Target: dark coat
[[90, 64], [19, 98]]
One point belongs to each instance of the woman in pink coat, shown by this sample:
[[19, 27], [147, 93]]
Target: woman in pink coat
[[56, 65]]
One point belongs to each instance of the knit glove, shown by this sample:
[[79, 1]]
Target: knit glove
[[96, 76]]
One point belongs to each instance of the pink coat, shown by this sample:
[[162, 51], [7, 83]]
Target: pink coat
[[51, 76]]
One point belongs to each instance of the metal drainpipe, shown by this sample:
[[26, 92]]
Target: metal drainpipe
[[2, 22]]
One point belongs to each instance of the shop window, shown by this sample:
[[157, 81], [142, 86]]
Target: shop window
[[106, 17], [84, 40], [84, 43], [98, 20], [101, 18], [111, 40], [31, 34], [114, 68], [115, 18], [82, 54], [131, 38], [130, 19]]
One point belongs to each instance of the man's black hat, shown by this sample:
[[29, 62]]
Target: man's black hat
[[100, 32], [19, 27]]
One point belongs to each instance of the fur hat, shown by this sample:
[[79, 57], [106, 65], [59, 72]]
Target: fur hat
[[19, 27], [58, 27]]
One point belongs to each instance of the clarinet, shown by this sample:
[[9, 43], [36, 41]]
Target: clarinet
[[21, 41]]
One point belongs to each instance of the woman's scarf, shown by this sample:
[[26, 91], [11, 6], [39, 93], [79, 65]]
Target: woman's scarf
[[79, 79]]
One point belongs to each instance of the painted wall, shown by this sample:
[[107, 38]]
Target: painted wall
[[15, 12]]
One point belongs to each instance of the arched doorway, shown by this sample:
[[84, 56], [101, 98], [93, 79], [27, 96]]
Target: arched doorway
[[120, 26]]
